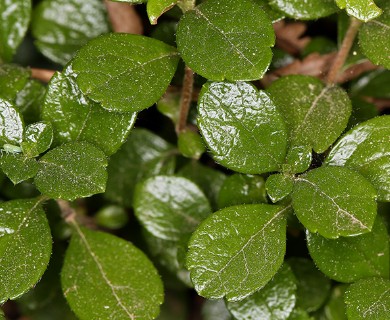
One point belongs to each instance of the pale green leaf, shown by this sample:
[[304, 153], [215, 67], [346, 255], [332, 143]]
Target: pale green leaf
[[12, 79], [190, 144], [279, 186], [155, 8], [11, 124], [237, 250], [305, 10], [37, 138], [299, 314], [18, 167], [232, 118], [363, 10]]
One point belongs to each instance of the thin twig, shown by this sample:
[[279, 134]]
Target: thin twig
[[43, 75], [124, 17], [67, 212], [185, 100]]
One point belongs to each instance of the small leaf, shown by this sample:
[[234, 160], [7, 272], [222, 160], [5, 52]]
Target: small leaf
[[275, 301], [63, 27], [299, 314], [25, 246], [305, 10], [242, 189], [342, 202], [14, 20], [279, 186], [298, 159], [374, 37], [313, 287], [237, 250], [366, 149], [232, 118], [363, 10], [37, 138], [77, 118], [112, 217], [170, 207], [215, 309], [117, 69], [190, 144], [353, 258], [11, 124], [71, 171], [18, 167], [368, 299], [122, 281], [216, 42], [143, 155], [156, 8], [12, 79]]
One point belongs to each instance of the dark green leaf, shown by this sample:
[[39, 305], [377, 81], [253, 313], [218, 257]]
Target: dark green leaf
[[37, 138], [334, 308], [25, 246], [232, 118], [14, 20], [165, 31], [298, 159], [305, 10], [373, 84], [63, 27], [12, 79], [155, 8], [215, 309], [279, 186], [363, 10], [361, 111], [365, 148], [170, 207], [374, 37], [342, 202], [143, 155], [216, 42], [275, 301], [71, 171], [77, 118], [117, 69], [299, 314], [242, 189], [169, 105], [320, 45], [105, 277], [190, 144], [237, 250], [353, 258], [18, 167], [368, 299], [313, 287], [11, 124], [274, 15]]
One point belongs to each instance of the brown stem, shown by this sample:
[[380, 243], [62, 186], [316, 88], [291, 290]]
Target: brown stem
[[185, 100], [43, 75], [124, 18], [344, 50], [67, 212]]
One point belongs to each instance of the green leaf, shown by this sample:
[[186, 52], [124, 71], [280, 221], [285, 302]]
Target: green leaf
[[365, 148], [232, 117], [299, 314], [72, 170], [143, 155], [373, 84], [77, 118], [242, 189], [156, 8], [275, 301], [274, 15], [374, 37], [112, 217], [170, 207], [237, 250], [334, 308], [305, 10], [169, 105], [12, 79], [298, 159], [279, 186], [342, 202], [18, 167], [37, 138], [363, 10], [312, 286], [117, 69], [190, 144], [63, 27], [368, 299], [215, 309], [353, 258], [121, 279], [315, 114], [361, 111], [216, 42], [14, 20], [25, 246], [11, 124]]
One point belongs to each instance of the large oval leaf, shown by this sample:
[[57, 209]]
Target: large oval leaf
[[226, 40], [305, 10], [363, 10], [366, 149], [242, 127], [11, 124], [25, 246], [334, 201], [118, 69], [105, 277], [237, 250]]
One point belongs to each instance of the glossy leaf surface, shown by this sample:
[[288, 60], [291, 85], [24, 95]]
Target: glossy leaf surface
[[170, 207], [71, 171], [190, 144], [342, 202], [366, 149], [363, 10], [37, 138], [155, 8], [117, 69], [368, 299], [25, 246], [122, 281], [12, 79], [77, 118], [11, 124], [63, 27], [143, 155], [217, 43], [305, 10], [279, 186], [274, 15], [18, 167], [237, 250], [232, 118], [275, 301], [352, 258]]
